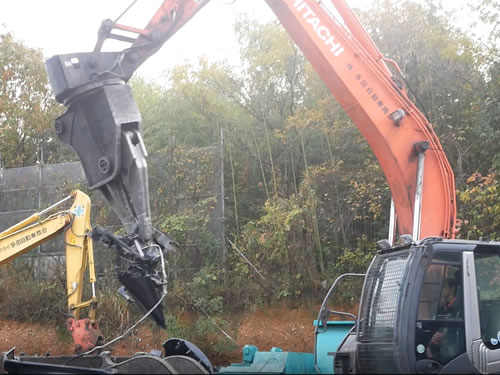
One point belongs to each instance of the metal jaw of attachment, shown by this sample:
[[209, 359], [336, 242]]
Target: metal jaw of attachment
[[140, 267]]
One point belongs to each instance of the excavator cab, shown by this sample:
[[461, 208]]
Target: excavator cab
[[429, 307]]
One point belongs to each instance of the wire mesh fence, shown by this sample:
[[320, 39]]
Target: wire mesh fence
[[178, 179]]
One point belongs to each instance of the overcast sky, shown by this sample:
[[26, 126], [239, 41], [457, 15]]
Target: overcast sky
[[65, 26]]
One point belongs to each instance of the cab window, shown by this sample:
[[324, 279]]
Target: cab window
[[440, 329]]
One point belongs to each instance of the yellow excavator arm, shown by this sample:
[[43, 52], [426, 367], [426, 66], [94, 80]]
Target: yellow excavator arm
[[30, 233], [75, 224]]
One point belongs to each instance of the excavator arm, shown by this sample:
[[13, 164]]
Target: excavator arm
[[356, 73], [102, 123], [74, 223]]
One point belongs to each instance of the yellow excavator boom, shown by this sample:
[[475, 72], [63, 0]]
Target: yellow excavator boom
[[75, 223]]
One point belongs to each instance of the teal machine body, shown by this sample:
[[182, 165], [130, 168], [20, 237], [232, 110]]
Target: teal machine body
[[276, 361]]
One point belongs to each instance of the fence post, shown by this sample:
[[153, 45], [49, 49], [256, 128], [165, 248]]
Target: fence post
[[222, 199]]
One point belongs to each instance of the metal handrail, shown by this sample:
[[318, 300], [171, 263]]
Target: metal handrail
[[321, 313]]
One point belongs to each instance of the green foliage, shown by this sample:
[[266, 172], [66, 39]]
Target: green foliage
[[24, 298], [27, 109], [114, 313], [282, 243], [479, 214], [487, 129], [355, 259], [204, 289], [190, 228]]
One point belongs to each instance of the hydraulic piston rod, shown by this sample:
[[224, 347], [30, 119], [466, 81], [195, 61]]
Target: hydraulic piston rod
[[420, 148]]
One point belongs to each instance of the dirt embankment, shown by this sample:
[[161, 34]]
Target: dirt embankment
[[289, 329]]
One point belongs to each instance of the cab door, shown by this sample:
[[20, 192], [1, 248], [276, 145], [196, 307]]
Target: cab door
[[440, 324], [482, 301]]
